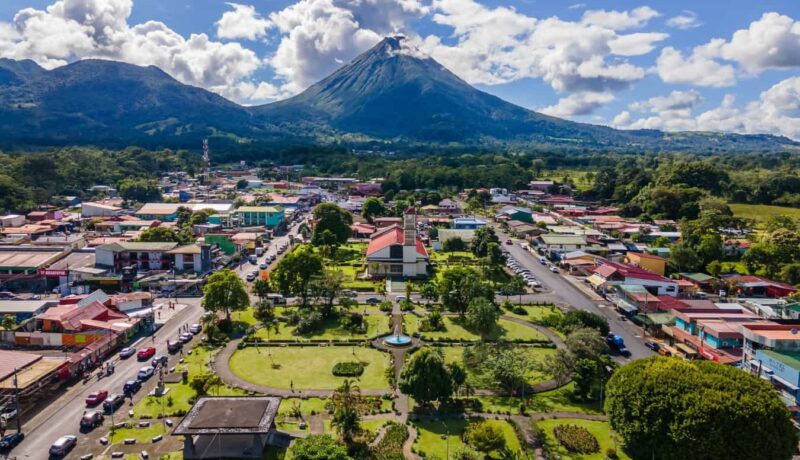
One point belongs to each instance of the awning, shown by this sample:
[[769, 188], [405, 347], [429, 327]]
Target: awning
[[596, 280], [783, 382], [627, 308], [685, 349]]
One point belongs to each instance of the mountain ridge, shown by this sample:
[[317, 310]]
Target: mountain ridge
[[390, 95]]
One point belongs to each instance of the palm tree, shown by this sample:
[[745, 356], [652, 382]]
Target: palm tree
[[346, 418], [213, 381]]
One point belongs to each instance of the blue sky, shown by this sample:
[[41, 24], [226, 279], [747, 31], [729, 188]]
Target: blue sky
[[679, 65]]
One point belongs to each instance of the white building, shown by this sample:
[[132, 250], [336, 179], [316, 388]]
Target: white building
[[91, 209], [396, 251]]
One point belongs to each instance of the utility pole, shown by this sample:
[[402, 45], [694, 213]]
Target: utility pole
[[16, 397]]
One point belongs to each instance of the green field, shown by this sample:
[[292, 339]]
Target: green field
[[534, 313], [141, 435], [605, 437], [443, 437], [308, 367], [330, 329], [506, 330], [761, 212], [558, 400], [535, 354]]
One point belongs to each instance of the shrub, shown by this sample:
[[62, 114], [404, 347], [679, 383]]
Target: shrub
[[385, 306], [348, 369], [485, 437], [519, 310], [576, 439], [611, 453]]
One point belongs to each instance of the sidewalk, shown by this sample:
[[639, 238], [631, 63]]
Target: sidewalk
[[586, 290]]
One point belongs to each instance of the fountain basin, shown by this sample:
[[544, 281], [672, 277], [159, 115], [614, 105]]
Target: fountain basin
[[397, 340]]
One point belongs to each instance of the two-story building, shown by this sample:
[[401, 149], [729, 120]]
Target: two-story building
[[144, 256], [253, 216], [397, 251]]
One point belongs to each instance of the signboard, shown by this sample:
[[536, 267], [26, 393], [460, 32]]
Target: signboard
[[52, 273], [264, 275]]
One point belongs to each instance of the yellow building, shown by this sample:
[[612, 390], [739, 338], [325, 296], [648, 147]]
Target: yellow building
[[649, 262]]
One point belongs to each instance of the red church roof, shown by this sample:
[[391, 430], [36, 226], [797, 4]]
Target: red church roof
[[389, 236]]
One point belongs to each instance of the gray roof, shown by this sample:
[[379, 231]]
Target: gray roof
[[9, 307], [137, 246], [97, 295], [230, 415]]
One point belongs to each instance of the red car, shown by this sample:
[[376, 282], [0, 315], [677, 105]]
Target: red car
[[96, 397], [146, 353]]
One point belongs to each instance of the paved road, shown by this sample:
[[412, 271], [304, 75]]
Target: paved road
[[573, 296], [247, 267], [62, 416]]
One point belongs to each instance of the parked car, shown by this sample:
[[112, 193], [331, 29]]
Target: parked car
[[186, 337], [113, 402], [542, 260], [127, 352], [145, 373], [652, 345], [96, 397], [63, 445], [349, 293], [263, 266], [174, 346], [400, 298], [131, 387], [554, 269], [8, 413], [10, 441], [92, 419], [162, 359], [5, 295], [372, 300], [250, 277], [195, 328], [276, 299], [146, 353]]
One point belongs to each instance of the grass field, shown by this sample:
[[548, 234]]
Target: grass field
[[139, 434], [601, 430], [437, 439], [330, 329], [308, 367], [535, 313], [578, 177], [761, 212], [558, 400], [506, 330], [535, 354]]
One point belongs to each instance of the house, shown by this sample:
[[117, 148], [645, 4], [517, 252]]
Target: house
[[362, 230], [12, 220], [144, 256], [75, 318], [559, 244], [72, 201], [448, 206], [38, 216], [94, 209], [397, 251], [24, 309], [73, 241], [168, 212], [230, 427], [383, 222], [540, 185], [102, 189], [191, 258], [132, 301], [468, 223], [516, 213], [712, 333], [253, 216], [699, 281], [647, 261], [609, 273], [757, 286]]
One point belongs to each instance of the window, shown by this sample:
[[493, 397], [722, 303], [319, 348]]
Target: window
[[397, 269], [396, 252]]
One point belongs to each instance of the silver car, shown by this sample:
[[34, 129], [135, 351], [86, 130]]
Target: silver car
[[63, 445]]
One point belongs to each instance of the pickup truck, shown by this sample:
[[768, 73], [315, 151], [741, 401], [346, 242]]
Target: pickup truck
[[617, 343]]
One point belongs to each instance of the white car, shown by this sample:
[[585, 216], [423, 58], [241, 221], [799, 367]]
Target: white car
[[127, 352], [251, 277], [400, 298], [146, 372], [554, 269]]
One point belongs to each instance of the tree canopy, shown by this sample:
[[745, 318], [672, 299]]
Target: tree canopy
[[425, 377], [667, 408], [225, 292], [294, 273], [334, 219]]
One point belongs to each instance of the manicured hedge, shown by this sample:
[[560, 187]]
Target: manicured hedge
[[576, 439], [348, 369]]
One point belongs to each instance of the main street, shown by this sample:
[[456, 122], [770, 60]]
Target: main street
[[62, 415], [573, 296]]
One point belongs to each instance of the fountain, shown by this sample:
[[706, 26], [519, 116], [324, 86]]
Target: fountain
[[398, 339]]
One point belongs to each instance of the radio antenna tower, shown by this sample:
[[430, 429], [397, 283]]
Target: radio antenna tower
[[206, 163]]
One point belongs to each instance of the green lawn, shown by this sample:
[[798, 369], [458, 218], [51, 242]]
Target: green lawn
[[452, 258], [558, 400], [534, 313], [761, 212], [600, 430], [141, 435], [330, 330], [506, 330], [536, 354], [308, 367], [439, 438], [307, 405]]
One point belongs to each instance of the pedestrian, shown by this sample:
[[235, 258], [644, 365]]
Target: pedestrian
[[291, 385]]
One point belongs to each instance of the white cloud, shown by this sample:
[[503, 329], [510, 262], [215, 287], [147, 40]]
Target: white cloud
[[620, 20], [243, 21], [773, 41], [636, 44], [698, 69], [577, 6], [777, 111], [499, 45], [69, 30], [318, 36], [687, 20], [578, 104]]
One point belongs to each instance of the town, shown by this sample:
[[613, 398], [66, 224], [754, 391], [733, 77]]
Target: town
[[255, 312]]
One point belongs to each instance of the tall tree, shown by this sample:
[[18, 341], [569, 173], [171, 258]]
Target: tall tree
[[482, 316], [372, 208], [346, 419], [327, 287], [460, 285], [140, 190], [294, 273], [225, 292], [425, 377], [481, 240], [667, 408], [336, 220]]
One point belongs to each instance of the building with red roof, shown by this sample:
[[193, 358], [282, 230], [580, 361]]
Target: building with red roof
[[758, 286], [396, 251], [609, 273]]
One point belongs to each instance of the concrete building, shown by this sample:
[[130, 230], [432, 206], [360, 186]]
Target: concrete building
[[253, 216], [397, 251], [468, 223], [92, 209]]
